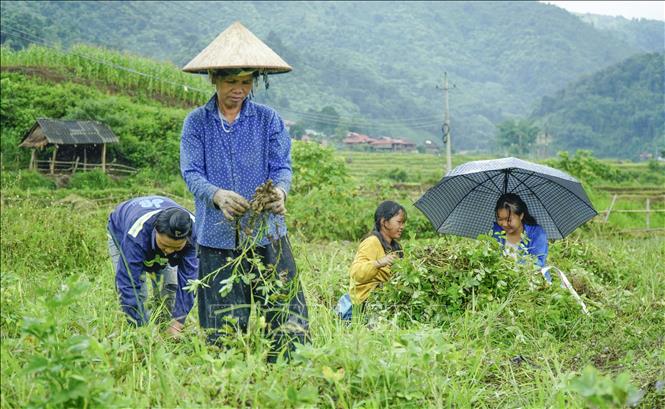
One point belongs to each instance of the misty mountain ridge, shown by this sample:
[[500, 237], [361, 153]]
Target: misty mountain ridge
[[377, 64], [618, 109]]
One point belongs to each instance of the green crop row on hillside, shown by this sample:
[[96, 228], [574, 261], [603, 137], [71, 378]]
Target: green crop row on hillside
[[130, 73]]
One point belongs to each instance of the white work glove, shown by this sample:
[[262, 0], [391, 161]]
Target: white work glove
[[230, 203], [277, 205]]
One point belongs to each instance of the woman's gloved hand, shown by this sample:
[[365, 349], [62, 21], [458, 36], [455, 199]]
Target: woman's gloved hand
[[230, 203], [277, 204]]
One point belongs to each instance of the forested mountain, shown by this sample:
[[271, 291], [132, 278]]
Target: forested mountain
[[619, 111], [642, 33], [377, 64]]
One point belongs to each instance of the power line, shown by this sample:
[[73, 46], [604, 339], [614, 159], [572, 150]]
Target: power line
[[314, 116], [375, 124], [335, 119]]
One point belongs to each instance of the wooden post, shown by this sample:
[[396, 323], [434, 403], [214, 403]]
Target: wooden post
[[55, 150], [33, 157], [104, 158], [85, 159], [648, 212], [76, 165], [607, 215]]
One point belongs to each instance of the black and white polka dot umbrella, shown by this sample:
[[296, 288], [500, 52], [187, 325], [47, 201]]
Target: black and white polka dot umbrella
[[462, 203]]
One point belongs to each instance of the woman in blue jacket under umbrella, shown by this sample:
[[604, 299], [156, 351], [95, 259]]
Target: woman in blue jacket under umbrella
[[517, 231]]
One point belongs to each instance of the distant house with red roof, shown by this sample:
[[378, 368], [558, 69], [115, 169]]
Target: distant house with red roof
[[356, 140], [386, 144], [403, 145]]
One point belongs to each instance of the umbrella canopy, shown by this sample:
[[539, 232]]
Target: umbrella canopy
[[462, 203], [237, 47]]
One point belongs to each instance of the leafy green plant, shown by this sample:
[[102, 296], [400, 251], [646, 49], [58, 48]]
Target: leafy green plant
[[446, 278], [584, 166], [601, 391], [67, 366], [580, 253], [331, 212], [315, 166]]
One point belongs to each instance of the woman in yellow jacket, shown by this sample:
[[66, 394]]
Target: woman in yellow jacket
[[375, 255]]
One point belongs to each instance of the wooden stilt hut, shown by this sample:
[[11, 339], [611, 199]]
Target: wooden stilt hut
[[76, 145]]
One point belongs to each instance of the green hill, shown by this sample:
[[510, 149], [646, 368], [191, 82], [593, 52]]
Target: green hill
[[376, 63], [619, 111], [642, 33]]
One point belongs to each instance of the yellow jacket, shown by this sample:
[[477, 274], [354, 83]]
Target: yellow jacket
[[365, 276]]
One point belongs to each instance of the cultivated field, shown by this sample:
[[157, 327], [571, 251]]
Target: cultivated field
[[65, 342]]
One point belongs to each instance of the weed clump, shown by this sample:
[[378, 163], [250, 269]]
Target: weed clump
[[25, 180], [95, 179], [580, 254]]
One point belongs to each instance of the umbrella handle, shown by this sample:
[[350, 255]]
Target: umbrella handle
[[566, 284]]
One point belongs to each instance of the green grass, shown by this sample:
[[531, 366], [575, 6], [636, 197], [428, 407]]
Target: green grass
[[630, 220], [419, 167], [54, 244]]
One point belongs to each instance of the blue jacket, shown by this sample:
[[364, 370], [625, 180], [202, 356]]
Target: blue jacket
[[132, 227], [536, 245]]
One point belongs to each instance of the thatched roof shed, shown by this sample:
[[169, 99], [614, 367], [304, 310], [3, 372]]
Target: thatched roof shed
[[58, 133]]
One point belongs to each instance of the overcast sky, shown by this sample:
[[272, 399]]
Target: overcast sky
[[654, 10]]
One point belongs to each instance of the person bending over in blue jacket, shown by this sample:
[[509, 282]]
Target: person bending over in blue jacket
[[152, 237], [518, 232]]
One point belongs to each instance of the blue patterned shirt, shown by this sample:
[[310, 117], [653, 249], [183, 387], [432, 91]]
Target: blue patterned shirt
[[257, 147]]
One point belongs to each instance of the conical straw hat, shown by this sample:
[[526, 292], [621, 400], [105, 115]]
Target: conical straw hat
[[237, 47]]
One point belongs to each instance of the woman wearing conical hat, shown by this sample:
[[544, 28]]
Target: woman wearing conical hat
[[230, 147]]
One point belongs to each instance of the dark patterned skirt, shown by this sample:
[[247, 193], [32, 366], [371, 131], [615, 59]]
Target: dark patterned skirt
[[263, 279]]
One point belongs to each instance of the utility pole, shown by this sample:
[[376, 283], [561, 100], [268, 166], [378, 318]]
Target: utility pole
[[446, 124]]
